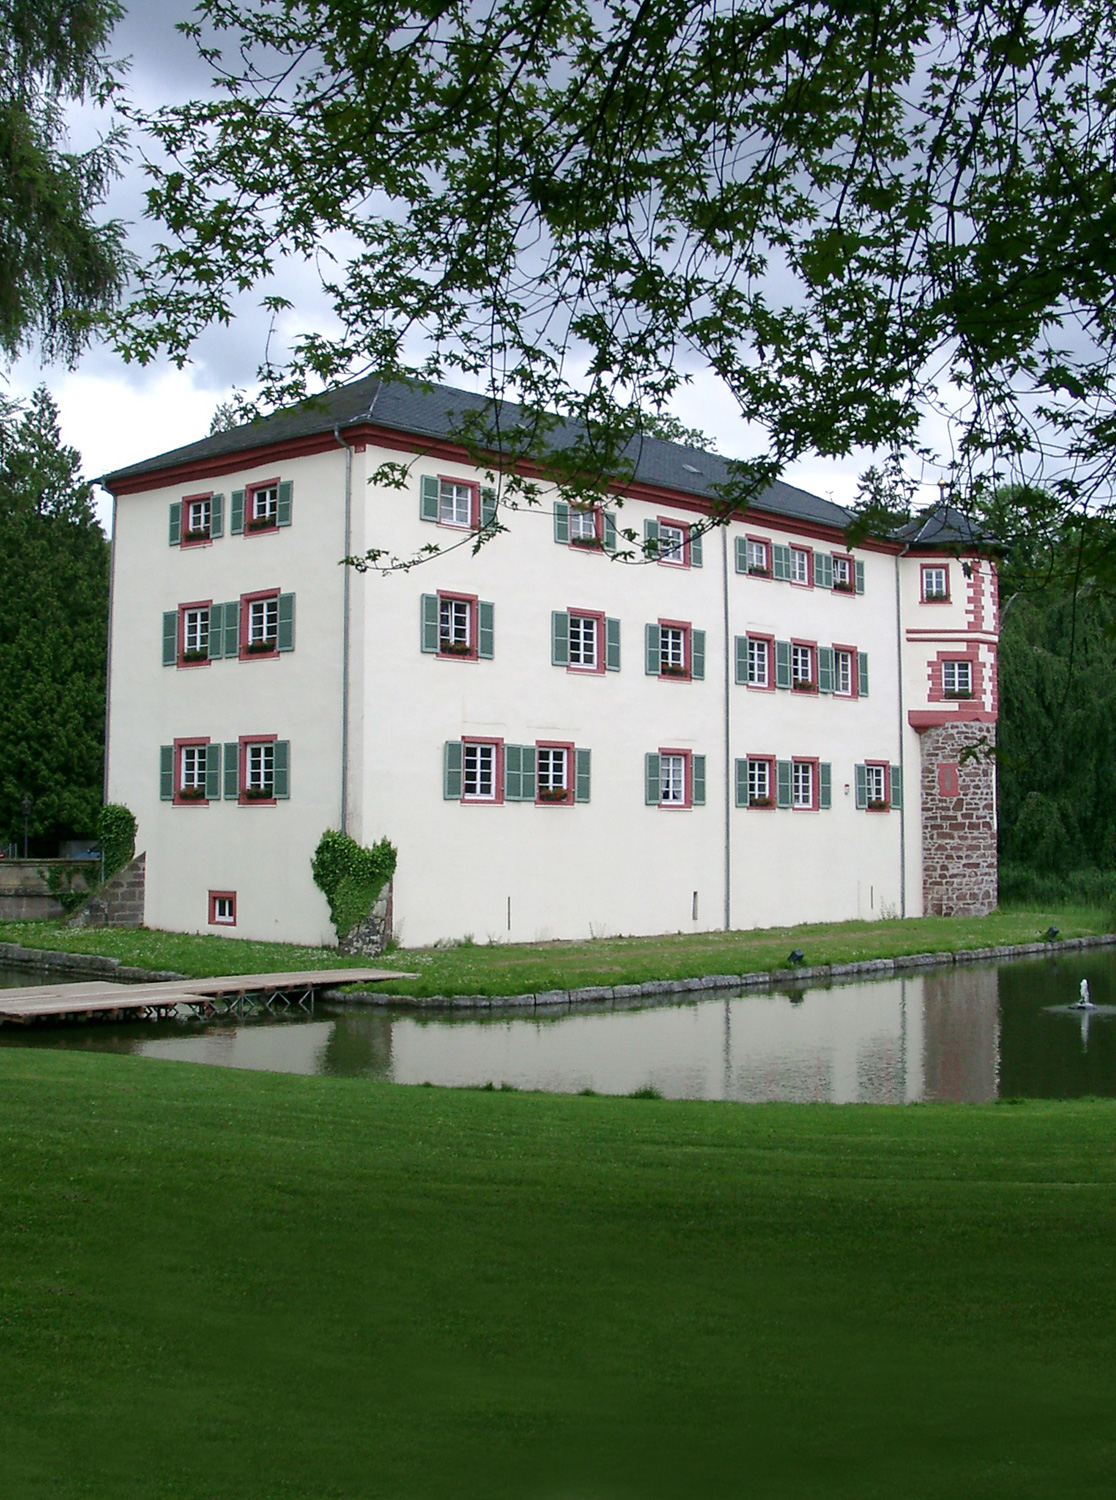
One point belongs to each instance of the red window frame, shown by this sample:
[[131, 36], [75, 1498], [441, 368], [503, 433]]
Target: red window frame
[[474, 503], [250, 492], [242, 796], [684, 528], [497, 770], [815, 791], [200, 541], [590, 614], [769, 806], [765, 543], [809, 552], [850, 587], [937, 567], [971, 654], [192, 742], [181, 641], [246, 601], [687, 779], [471, 601], [685, 627], [886, 768], [214, 897], [571, 774], [759, 687], [584, 544], [854, 675], [812, 647]]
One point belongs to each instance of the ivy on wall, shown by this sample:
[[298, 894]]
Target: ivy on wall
[[116, 830], [351, 877]]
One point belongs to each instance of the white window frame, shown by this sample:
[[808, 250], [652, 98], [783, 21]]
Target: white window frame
[[457, 501], [799, 655], [479, 767], [844, 672], [552, 769], [585, 644], [673, 551], [802, 783], [192, 767], [455, 624], [800, 566], [584, 524], [224, 911], [875, 784], [758, 555], [265, 505], [934, 594], [673, 654], [259, 766], [672, 780], [199, 516], [759, 781], [263, 613], [195, 629], [842, 572], [759, 661], [953, 671]]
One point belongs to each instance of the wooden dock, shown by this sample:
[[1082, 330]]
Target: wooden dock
[[227, 995]]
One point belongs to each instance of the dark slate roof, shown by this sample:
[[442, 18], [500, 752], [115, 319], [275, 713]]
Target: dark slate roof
[[411, 408], [945, 526]]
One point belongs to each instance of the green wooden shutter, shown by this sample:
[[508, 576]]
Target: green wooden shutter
[[170, 637], [216, 515], [782, 783], [560, 638], [651, 538], [782, 664], [741, 554], [166, 773], [428, 633], [652, 789], [513, 773], [213, 773], [232, 628], [742, 658], [825, 669], [232, 771], [488, 507], [697, 771], [282, 764], [897, 786], [428, 497], [486, 634], [582, 775], [452, 762], [781, 562], [527, 770], [823, 570], [862, 674], [695, 550], [742, 783], [654, 651], [862, 786], [285, 637], [175, 528], [216, 632], [697, 654], [860, 578], [283, 507], [609, 531], [825, 784], [236, 513], [612, 646], [561, 521]]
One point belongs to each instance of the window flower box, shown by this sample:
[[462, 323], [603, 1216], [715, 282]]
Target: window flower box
[[261, 647], [673, 671], [196, 653], [754, 571], [553, 794], [957, 693], [191, 794], [455, 648], [200, 535], [804, 686], [844, 588], [264, 793], [585, 541], [877, 806], [935, 596], [262, 523], [759, 802]]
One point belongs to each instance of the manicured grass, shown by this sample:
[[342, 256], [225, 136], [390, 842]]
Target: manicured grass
[[516, 968], [218, 1285]]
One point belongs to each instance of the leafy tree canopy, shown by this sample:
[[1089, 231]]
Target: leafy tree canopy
[[851, 213], [59, 268], [53, 628]]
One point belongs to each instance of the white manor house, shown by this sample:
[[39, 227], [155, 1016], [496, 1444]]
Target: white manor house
[[758, 728]]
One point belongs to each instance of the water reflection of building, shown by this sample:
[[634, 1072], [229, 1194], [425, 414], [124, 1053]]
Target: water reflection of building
[[961, 1035]]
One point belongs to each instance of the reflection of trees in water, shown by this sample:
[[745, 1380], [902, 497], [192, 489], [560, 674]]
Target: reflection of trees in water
[[88, 1037], [1041, 1054], [359, 1046], [960, 1019]]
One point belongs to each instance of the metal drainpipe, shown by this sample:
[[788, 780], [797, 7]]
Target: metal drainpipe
[[347, 586], [728, 744], [902, 737]]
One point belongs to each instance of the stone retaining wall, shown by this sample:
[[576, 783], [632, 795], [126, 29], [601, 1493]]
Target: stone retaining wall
[[119, 902]]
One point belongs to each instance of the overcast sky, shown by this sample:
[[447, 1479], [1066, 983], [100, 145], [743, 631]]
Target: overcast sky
[[116, 414]]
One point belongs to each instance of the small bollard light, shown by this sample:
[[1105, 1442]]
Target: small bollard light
[[1050, 934], [796, 956]]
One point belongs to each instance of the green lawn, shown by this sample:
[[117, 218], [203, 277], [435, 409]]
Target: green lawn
[[515, 968], [223, 1286]]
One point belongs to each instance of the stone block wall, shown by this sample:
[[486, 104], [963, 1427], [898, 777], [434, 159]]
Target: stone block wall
[[119, 902], [959, 876], [371, 936]]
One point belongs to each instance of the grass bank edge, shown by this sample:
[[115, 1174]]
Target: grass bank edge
[[470, 968]]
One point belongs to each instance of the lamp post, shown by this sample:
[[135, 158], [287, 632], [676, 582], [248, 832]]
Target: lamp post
[[25, 809]]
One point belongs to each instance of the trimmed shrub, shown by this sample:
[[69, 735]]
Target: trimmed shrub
[[351, 877]]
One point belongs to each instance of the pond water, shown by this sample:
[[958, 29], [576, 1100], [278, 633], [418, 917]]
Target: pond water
[[966, 1034]]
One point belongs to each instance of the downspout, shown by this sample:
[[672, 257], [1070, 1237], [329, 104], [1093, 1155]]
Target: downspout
[[108, 653], [347, 589], [728, 744], [902, 736]]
